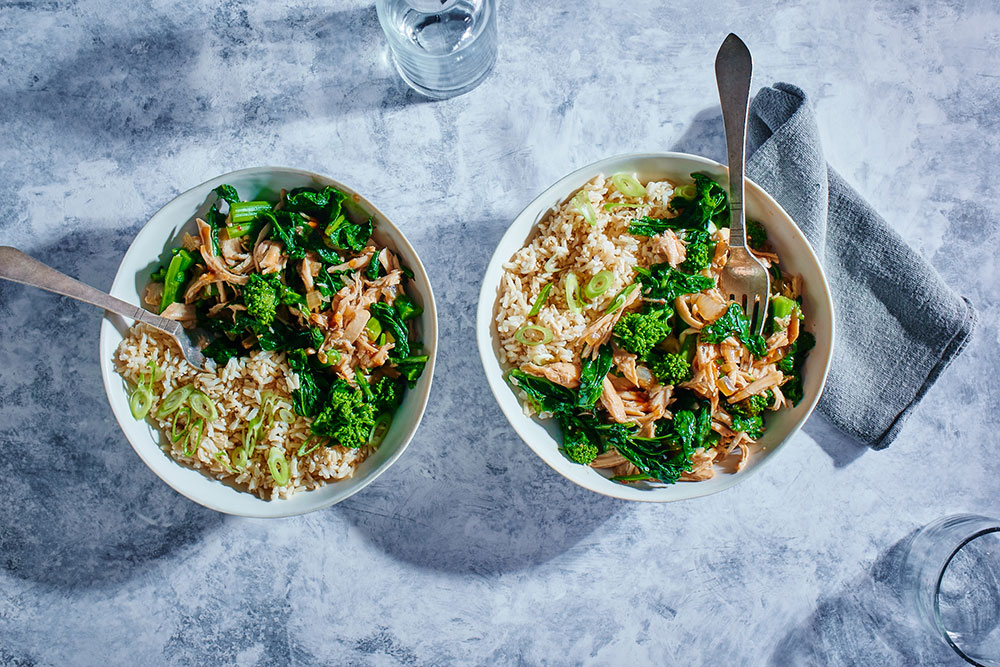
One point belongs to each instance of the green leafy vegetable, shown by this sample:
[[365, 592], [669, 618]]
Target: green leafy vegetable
[[592, 374], [756, 234], [580, 444], [411, 367], [261, 299], [751, 406], [393, 323], [734, 323], [754, 426], [698, 252], [374, 268], [661, 281], [175, 277], [227, 193], [346, 418], [407, 308], [791, 365], [670, 368], [544, 395], [387, 394]]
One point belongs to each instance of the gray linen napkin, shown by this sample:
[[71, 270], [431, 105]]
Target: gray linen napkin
[[898, 324]]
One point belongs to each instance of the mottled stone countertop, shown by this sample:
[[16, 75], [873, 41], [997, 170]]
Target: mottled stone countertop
[[470, 550]]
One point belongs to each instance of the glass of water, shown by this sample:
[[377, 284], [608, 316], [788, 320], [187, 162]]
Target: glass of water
[[442, 48], [951, 576]]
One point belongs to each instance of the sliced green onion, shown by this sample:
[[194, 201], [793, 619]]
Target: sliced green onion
[[688, 191], [224, 458], [379, 430], [551, 265], [374, 328], [612, 205], [196, 431], [203, 406], [240, 459], [140, 401], [302, 449], [573, 293], [278, 465], [176, 436], [286, 415], [246, 211], [628, 185], [539, 335], [783, 306], [329, 357], [621, 297], [174, 400], [540, 300], [586, 209], [155, 373], [599, 284]]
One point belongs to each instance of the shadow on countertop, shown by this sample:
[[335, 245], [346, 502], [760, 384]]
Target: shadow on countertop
[[867, 622], [80, 509], [468, 496], [179, 80]]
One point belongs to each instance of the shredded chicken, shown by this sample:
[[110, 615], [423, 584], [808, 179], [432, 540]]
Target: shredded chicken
[[182, 312], [309, 269], [667, 245], [625, 361], [356, 325], [612, 402], [269, 256], [213, 262], [197, 285], [154, 295], [563, 373], [759, 386]]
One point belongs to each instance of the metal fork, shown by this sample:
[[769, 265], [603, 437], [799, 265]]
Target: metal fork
[[744, 279], [20, 268]]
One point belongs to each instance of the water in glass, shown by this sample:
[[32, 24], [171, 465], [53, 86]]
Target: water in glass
[[441, 48]]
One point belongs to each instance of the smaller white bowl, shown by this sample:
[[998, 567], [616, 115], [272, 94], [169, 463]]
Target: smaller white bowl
[[543, 435], [152, 245]]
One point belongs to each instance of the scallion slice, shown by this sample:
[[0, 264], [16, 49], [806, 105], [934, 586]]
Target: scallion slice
[[612, 205], [598, 285], [379, 430], [240, 459], [278, 465], [573, 293], [195, 432], [362, 381], [533, 334], [582, 202], [688, 191], [329, 357], [621, 297], [540, 300], [175, 435], [203, 406], [374, 328], [303, 448], [173, 401], [140, 401], [628, 185]]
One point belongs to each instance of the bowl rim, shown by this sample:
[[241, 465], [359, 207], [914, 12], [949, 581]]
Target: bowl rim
[[269, 509], [487, 298]]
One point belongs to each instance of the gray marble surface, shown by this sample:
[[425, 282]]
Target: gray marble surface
[[469, 550]]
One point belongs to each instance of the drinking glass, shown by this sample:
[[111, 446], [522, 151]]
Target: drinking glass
[[951, 577], [441, 48]]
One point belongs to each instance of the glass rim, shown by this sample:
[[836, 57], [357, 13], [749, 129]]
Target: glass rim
[[392, 36], [982, 532]]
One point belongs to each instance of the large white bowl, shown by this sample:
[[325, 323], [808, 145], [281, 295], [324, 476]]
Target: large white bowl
[[796, 256], [152, 245]]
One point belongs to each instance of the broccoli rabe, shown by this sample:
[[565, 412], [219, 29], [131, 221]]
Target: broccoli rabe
[[347, 418], [261, 299], [756, 234], [640, 332], [752, 406], [698, 252], [387, 394], [671, 368], [578, 446]]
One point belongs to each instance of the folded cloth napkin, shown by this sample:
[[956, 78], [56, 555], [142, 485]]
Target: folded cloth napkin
[[898, 324]]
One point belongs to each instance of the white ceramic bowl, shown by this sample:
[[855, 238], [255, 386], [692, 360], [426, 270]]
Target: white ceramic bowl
[[543, 436], [152, 245]]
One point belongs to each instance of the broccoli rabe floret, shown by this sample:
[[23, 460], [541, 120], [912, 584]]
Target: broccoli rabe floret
[[578, 447], [347, 418], [752, 406], [261, 299], [756, 234], [670, 368], [640, 332], [387, 394], [698, 252]]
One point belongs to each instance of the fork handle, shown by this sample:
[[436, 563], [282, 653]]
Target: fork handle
[[733, 69], [20, 268]]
